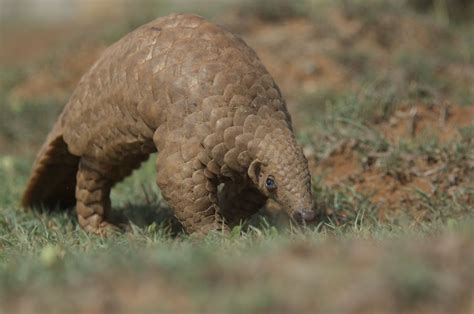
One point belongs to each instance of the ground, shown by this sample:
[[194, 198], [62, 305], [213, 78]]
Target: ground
[[382, 98]]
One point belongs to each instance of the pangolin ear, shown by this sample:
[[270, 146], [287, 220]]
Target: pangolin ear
[[254, 171]]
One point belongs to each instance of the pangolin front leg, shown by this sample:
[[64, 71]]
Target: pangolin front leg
[[93, 197], [191, 189], [239, 201]]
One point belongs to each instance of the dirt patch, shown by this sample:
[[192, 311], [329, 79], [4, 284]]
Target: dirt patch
[[403, 181], [20, 46], [442, 122], [392, 193], [56, 82], [295, 53], [340, 165]]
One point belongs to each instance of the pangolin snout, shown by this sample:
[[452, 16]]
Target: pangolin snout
[[304, 215]]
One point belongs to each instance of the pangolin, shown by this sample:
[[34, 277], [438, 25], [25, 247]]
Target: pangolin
[[200, 97]]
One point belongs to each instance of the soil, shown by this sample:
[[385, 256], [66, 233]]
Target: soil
[[400, 188]]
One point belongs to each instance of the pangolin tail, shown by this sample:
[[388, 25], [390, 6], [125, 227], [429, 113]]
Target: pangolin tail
[[53, 178]]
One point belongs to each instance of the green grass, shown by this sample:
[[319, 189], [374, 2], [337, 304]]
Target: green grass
[[43, 255]]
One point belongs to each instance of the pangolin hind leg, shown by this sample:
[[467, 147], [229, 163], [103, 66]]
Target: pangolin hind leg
[[93, 197], [239, 202], [191, 190]]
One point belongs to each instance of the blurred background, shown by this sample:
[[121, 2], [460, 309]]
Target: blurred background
[[313, 48]]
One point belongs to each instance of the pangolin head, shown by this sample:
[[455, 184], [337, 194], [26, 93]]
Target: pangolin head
[[280, 171]]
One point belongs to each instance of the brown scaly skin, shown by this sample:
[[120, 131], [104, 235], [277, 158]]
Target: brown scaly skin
[[199, 96]]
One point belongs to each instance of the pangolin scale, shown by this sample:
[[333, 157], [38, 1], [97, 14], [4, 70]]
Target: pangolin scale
[[200, 97]]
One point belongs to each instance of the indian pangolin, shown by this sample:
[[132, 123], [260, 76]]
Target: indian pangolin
[[201, 98]]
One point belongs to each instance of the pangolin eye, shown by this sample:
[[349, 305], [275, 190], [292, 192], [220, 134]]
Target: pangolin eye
[[270, 183]]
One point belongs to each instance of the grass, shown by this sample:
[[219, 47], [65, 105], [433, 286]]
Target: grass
[[50, 256], [45, 255], [389, 144]]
